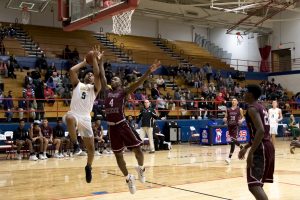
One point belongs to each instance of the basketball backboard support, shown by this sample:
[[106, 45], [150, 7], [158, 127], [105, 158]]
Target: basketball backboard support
[[75, 14]]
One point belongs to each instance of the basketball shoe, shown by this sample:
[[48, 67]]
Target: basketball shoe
[[88, 173], [228, 161], [130, 182], [77, 150], [141, 170]]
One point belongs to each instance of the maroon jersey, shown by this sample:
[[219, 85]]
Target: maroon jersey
[[46, 131], [264, 118], [114, 105], [233, 116]]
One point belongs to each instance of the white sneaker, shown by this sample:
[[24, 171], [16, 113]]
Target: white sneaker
[[45, 156], [65, 154], [131, 185], [19, 156], [56, 155], [105, 152], [228, 161], [61, 155], [141, 174], [97, 153], [41, 157], [110, 152], [83, 153], [33, 158]]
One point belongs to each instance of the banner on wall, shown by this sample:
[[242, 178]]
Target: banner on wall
[[215, 135]]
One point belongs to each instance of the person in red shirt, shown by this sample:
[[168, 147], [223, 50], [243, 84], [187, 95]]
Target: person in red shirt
[[49, 95], [47, 133]]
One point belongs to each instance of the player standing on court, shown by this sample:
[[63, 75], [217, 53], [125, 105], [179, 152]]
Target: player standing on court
[[275, 116], [121, 134], [83, 97], [261, 157], [234, 117]]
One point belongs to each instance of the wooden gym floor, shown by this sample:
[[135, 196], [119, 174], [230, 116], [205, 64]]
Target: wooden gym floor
[[186, 172]]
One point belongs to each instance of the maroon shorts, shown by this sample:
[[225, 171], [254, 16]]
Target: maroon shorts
[[263, 161], [233, 131], [122, 135]]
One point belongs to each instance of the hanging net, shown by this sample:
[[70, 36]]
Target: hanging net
[[25, 15], [122, 23]]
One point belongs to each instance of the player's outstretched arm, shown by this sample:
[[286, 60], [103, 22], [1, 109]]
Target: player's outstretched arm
[[97, 57], [156, 64], [102, 77], [73, 72]]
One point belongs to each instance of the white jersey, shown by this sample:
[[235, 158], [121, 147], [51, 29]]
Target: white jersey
[[274, 115], [83, 98]]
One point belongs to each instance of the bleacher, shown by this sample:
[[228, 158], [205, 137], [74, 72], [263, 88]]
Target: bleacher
[[53, 41], [196, 55], [13, 47], [141, 49]]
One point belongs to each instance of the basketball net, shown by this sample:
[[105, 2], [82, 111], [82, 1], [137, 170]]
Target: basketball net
[[239, 38], [122, 23], [25, 15]]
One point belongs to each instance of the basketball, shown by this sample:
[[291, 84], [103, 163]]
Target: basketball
[[89, 57]]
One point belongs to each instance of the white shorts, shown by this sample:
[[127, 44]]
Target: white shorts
[[83, 124], [273, 129]]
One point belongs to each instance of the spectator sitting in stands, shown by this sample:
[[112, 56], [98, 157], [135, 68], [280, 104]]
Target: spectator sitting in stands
[[8, 106], [162, 107], [205, 91], [21, 138], [154, 91], [50, 84], [59, 134], [47, 133], [161, 82], [35, 136], [50, 71], [25, 105], [3, 69], [27, 79], [177, 96], [66, 96], [49, 95], [136, 72], [1, 99], [202, 105], [28, 93], [66, 81]]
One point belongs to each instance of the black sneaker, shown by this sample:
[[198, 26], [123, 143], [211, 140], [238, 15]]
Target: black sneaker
[[88, 174], [77, 151], [151, 152]]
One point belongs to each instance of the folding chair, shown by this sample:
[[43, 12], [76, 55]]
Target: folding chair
[[9, 141], [194, 136]]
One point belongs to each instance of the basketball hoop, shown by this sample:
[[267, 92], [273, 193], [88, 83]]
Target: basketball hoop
[[122, 23], [25, 15], [239, 38]]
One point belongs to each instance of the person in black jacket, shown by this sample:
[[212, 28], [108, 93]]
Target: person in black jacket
[[147, 115], [21, 138]]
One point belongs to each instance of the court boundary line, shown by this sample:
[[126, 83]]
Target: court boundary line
[[173, 187]]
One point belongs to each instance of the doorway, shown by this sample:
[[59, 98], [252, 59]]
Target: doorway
[[281, 60]]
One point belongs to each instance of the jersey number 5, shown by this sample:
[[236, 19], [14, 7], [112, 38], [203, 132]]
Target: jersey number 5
[[111, 103], [83, 95]]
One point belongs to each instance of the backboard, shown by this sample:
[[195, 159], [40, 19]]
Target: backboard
[[75, 14]]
